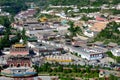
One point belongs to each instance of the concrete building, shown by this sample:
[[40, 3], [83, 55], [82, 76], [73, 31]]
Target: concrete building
[[118, 7], [89, 53], [116, 51], [44, 49], [88, 33], [1, 26], [25, 14], [93, 53], [78, 43]]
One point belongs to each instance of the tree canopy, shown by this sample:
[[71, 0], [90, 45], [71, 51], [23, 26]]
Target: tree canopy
[[74, 30], [4, 21], [15, 6]]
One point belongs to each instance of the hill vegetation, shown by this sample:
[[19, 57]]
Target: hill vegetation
[[14, 6], [83, 2], [110, 34]]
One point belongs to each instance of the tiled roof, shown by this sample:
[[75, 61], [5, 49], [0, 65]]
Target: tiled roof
[[100, 19]]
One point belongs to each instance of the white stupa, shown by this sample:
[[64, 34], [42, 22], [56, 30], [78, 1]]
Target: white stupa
[[0, 10], [21, 41]]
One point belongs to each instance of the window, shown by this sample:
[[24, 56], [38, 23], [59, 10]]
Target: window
[[11, 65], [26, 64], [18, 65]]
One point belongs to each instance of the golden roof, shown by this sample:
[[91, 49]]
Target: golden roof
[[43, 19], [19, 45]]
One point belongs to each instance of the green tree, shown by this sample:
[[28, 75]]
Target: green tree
[[74, 69], [85, 18], [5, 21], [87, 69], [73, 30], [36, 68], [23, 36], [60, 68], [112, 77]]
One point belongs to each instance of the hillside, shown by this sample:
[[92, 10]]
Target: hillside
[[14, 6], [83, 2], [110, 34]]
